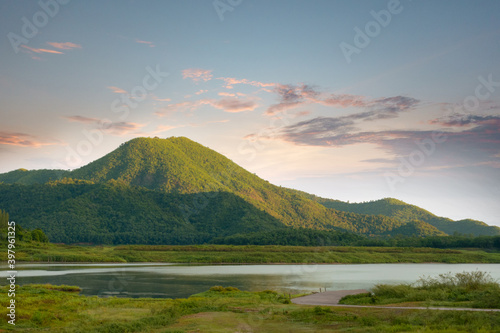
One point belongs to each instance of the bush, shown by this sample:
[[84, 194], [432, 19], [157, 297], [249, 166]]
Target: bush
[[392, 291], [476, 280]]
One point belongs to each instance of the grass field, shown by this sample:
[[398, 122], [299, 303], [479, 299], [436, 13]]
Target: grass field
[[46, 252], [46, 308]]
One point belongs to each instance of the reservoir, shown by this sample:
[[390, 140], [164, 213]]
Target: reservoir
[[179, 281]]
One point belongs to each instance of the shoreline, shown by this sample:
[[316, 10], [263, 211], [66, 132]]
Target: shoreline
[[246, 263]]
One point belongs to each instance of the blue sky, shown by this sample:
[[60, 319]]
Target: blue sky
[[410, 110]]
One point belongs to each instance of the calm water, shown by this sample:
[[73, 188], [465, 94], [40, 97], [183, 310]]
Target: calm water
[[174, 281]]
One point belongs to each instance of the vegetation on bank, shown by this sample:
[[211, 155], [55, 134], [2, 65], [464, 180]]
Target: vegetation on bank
[[468, 289], [252, 254], [33, 246], [56, 309], [22, 235], [310, 237]]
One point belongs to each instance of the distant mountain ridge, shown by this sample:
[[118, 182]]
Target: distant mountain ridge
[[406, 213], [179, 192]]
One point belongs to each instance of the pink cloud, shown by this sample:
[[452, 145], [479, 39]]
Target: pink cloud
[[230, 82], [302, 113], [117, 90], [164, 128], [231, 105], [114, 128], [122, 128], [197, 74], [234, 105], [200, 92], [156, 98], [22, 139], [292, 96], [81, 119], [150, 44], [41, 50], [180, 107], [65, 46], [226, 94]]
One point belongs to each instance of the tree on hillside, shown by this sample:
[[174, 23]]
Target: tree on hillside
[[4, 218]]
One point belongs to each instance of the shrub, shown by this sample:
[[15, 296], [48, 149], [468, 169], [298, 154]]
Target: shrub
[[476, 280], [390, 291]]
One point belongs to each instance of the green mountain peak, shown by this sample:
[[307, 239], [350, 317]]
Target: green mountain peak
[[177, 191]]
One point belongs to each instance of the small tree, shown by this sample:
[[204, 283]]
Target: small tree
[[38, 235]]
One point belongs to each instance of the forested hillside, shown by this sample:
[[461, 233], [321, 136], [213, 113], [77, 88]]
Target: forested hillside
[[404, 212], [20, 234], [28, 177], [176, 191]]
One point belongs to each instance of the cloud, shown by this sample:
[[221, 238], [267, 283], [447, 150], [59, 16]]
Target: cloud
[[180, 107], [380, 160], [472, 145], [461, 120], [81, 119], [302, 113], [226, 94], [231, 105], [292, 96], [65, 46], [150, 44], [164, 128], [41, 50], [234, 105], [122, 128], [200, 92], [117, 90], [22, 139], [61, 46], [197, 74], [314, 131], [229, 82], [156, 98], [114, 128]]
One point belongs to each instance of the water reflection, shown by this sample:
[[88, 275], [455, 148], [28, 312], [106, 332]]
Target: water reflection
[[175, 281]]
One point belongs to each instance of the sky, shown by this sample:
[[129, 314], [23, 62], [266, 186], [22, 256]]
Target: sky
[[350, 100]]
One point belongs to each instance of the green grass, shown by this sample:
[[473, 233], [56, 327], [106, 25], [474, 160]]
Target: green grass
[[45, 308], [468, 289], [255, 254]]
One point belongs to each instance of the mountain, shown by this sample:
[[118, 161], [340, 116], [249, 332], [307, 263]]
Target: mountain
[[176, 191], [113, 212], [25, 177], [405, 213]]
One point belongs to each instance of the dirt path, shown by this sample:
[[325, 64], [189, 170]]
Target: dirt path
[[331, 298]]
